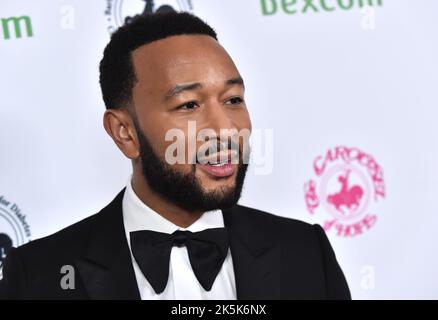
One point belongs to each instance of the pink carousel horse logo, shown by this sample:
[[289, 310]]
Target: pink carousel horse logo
[[348, 197], [348, 184]]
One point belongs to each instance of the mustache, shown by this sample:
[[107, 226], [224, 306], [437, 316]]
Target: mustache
[[229, 149]]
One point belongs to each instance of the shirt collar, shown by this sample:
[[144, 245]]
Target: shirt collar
[[138, 216]]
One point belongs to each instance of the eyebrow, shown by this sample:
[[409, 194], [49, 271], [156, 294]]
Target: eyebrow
[[235, 81], [197, 85]]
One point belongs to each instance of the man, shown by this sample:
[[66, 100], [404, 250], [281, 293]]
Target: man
[[176, 231]]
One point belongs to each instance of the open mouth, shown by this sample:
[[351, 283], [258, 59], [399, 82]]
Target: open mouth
[[221, 164], [220, 158]]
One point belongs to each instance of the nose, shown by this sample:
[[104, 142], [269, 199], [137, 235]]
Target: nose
[[219, 118]]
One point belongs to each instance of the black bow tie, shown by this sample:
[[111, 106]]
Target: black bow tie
[[207, 250]]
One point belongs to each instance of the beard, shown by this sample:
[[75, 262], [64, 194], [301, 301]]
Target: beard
[[185, 189]]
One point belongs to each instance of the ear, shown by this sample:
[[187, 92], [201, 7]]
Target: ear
[[119, 125]]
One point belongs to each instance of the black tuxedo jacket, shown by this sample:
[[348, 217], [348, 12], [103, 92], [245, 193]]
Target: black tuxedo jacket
[[273, 257]]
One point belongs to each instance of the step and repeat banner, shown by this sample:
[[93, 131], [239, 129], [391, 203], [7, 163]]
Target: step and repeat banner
[[343, 95]]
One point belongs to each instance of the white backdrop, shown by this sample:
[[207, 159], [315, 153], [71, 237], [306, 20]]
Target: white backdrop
[[363, 78]]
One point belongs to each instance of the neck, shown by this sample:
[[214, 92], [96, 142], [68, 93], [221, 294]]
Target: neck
[[169, 211]]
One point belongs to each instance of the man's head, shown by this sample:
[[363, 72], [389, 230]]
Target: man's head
[[159, 73]]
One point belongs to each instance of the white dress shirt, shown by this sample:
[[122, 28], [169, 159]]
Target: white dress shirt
[[182, 283]]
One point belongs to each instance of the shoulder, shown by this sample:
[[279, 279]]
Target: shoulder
[[304, 248], [35, 267], [68, 242], [71, 241], [270, 221], [276, 227]]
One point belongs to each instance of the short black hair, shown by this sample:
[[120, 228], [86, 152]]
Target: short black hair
[[117, 74]]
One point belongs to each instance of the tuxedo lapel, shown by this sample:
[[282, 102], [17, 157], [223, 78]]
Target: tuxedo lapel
[[256, 258], [106, 270]]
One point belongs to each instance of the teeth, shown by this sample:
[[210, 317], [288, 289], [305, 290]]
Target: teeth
[[218, 164], [226, 157]]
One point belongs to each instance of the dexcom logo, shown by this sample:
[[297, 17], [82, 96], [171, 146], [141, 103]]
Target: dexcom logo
[[292, 7], [16, 27]]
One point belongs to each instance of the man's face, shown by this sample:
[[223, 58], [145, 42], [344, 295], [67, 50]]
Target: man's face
[[182, 79]]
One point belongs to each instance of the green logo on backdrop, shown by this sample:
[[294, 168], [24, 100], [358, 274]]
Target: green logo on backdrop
[[16, 27], [270, 7]]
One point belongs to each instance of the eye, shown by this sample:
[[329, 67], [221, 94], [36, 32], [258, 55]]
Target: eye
[[235, 100], [188, 106]]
